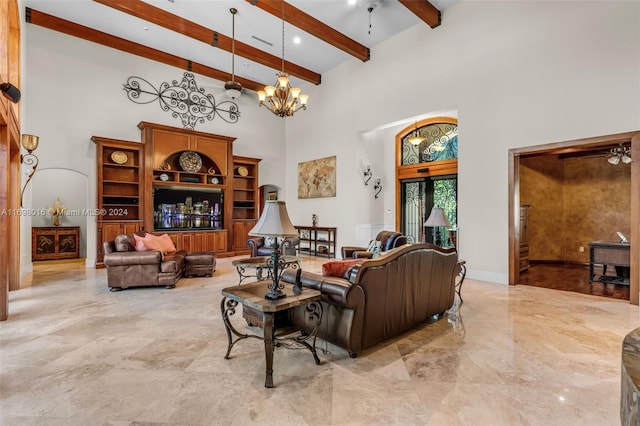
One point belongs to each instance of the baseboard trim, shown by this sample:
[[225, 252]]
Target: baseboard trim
[[557, 262], [493, 277]]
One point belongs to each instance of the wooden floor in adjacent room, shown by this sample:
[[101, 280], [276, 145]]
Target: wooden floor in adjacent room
[[570, 278]]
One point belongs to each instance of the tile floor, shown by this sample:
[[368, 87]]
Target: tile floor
[[72, 353]]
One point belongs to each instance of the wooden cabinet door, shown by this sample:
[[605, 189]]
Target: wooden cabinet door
[[241, 233], [193, 241], [220, 240]]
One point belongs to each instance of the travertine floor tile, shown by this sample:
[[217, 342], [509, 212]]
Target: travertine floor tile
[[73, 353]]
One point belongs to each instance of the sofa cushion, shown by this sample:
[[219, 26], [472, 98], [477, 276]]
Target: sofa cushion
[[172, 263], [338, 268], [122, 243]]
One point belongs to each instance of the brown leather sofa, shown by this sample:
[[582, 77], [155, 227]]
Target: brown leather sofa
[[383, 297], [388, 240], [127, 267], [287, 247]]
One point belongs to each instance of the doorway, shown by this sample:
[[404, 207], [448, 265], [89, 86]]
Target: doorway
[[577, 147]]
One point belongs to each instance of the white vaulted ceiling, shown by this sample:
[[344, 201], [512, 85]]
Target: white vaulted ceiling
[[254, 26]]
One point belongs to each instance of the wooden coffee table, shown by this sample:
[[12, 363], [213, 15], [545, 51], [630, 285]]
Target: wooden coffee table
[[252, 295]]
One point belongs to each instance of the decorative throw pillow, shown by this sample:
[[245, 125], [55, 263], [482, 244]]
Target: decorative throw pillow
[[152, 242], [376, 249], [140, 245], [371, 245], [167, 243], [269, 242], [337, 268]]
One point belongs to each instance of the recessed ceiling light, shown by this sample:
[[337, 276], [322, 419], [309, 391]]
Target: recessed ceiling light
[[296, 40], [146, 28], [351, 2]]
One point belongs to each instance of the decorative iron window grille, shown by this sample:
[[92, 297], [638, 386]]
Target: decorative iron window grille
[[441, 143]]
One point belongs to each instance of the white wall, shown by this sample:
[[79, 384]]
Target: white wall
[[519, 74], [73, 90]]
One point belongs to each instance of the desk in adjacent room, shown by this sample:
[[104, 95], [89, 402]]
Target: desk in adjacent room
[[607, 253]]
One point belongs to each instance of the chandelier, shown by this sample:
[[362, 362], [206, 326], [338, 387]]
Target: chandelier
[[619, 153], [282, 99], [232, 88]]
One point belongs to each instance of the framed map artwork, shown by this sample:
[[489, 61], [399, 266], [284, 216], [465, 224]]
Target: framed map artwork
[[317, 178]]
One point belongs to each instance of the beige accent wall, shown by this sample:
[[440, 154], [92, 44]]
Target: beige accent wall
[[574, 201]]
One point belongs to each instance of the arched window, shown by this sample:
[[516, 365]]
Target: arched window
[[437, 142]]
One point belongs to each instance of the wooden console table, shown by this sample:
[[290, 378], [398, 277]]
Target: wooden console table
[[317, 241], [606, 253], [55, 242]]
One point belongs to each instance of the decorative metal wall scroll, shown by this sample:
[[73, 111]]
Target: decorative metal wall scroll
[[184, 99]]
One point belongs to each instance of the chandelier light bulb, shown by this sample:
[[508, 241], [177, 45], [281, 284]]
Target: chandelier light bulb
[[626, 159], [614, 160]]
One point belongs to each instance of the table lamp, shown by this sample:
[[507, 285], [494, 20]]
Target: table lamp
[[436, 219], [274, 222]]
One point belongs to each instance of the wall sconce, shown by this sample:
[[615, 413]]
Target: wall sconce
[[30, 143], [367, 174], [10, 92], [377, 186]]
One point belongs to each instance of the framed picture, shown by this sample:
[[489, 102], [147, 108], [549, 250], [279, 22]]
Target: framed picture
[[272, 195], [317, 178]]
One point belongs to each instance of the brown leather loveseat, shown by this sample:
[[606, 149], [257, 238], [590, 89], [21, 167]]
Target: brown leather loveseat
[[383, 297], [127, 267], [388, 240]]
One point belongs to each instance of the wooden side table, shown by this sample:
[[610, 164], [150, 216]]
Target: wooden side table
[[55, 242], [252, 295]]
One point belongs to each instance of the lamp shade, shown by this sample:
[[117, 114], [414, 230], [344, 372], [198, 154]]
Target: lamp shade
[[437, 218], [274, 222]]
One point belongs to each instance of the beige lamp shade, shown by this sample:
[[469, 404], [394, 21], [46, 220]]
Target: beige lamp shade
[[274, 222], [437, 218]]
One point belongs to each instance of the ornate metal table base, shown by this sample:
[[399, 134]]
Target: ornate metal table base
[[261, 266], [297, 340], [460, 280]]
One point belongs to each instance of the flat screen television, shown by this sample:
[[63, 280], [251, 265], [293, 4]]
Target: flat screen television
[[179, 208]]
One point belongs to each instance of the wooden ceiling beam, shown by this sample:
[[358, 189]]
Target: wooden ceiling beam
[[57, 24], [172, 22], [424, 10], [311, 25]]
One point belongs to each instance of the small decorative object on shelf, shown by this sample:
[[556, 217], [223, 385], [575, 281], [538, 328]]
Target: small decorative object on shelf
[[314, 219], [56, 211], [211, 171], [243, 171], [215, 180], [165, 166], [119, 157], [190, 161], [164, 177]]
